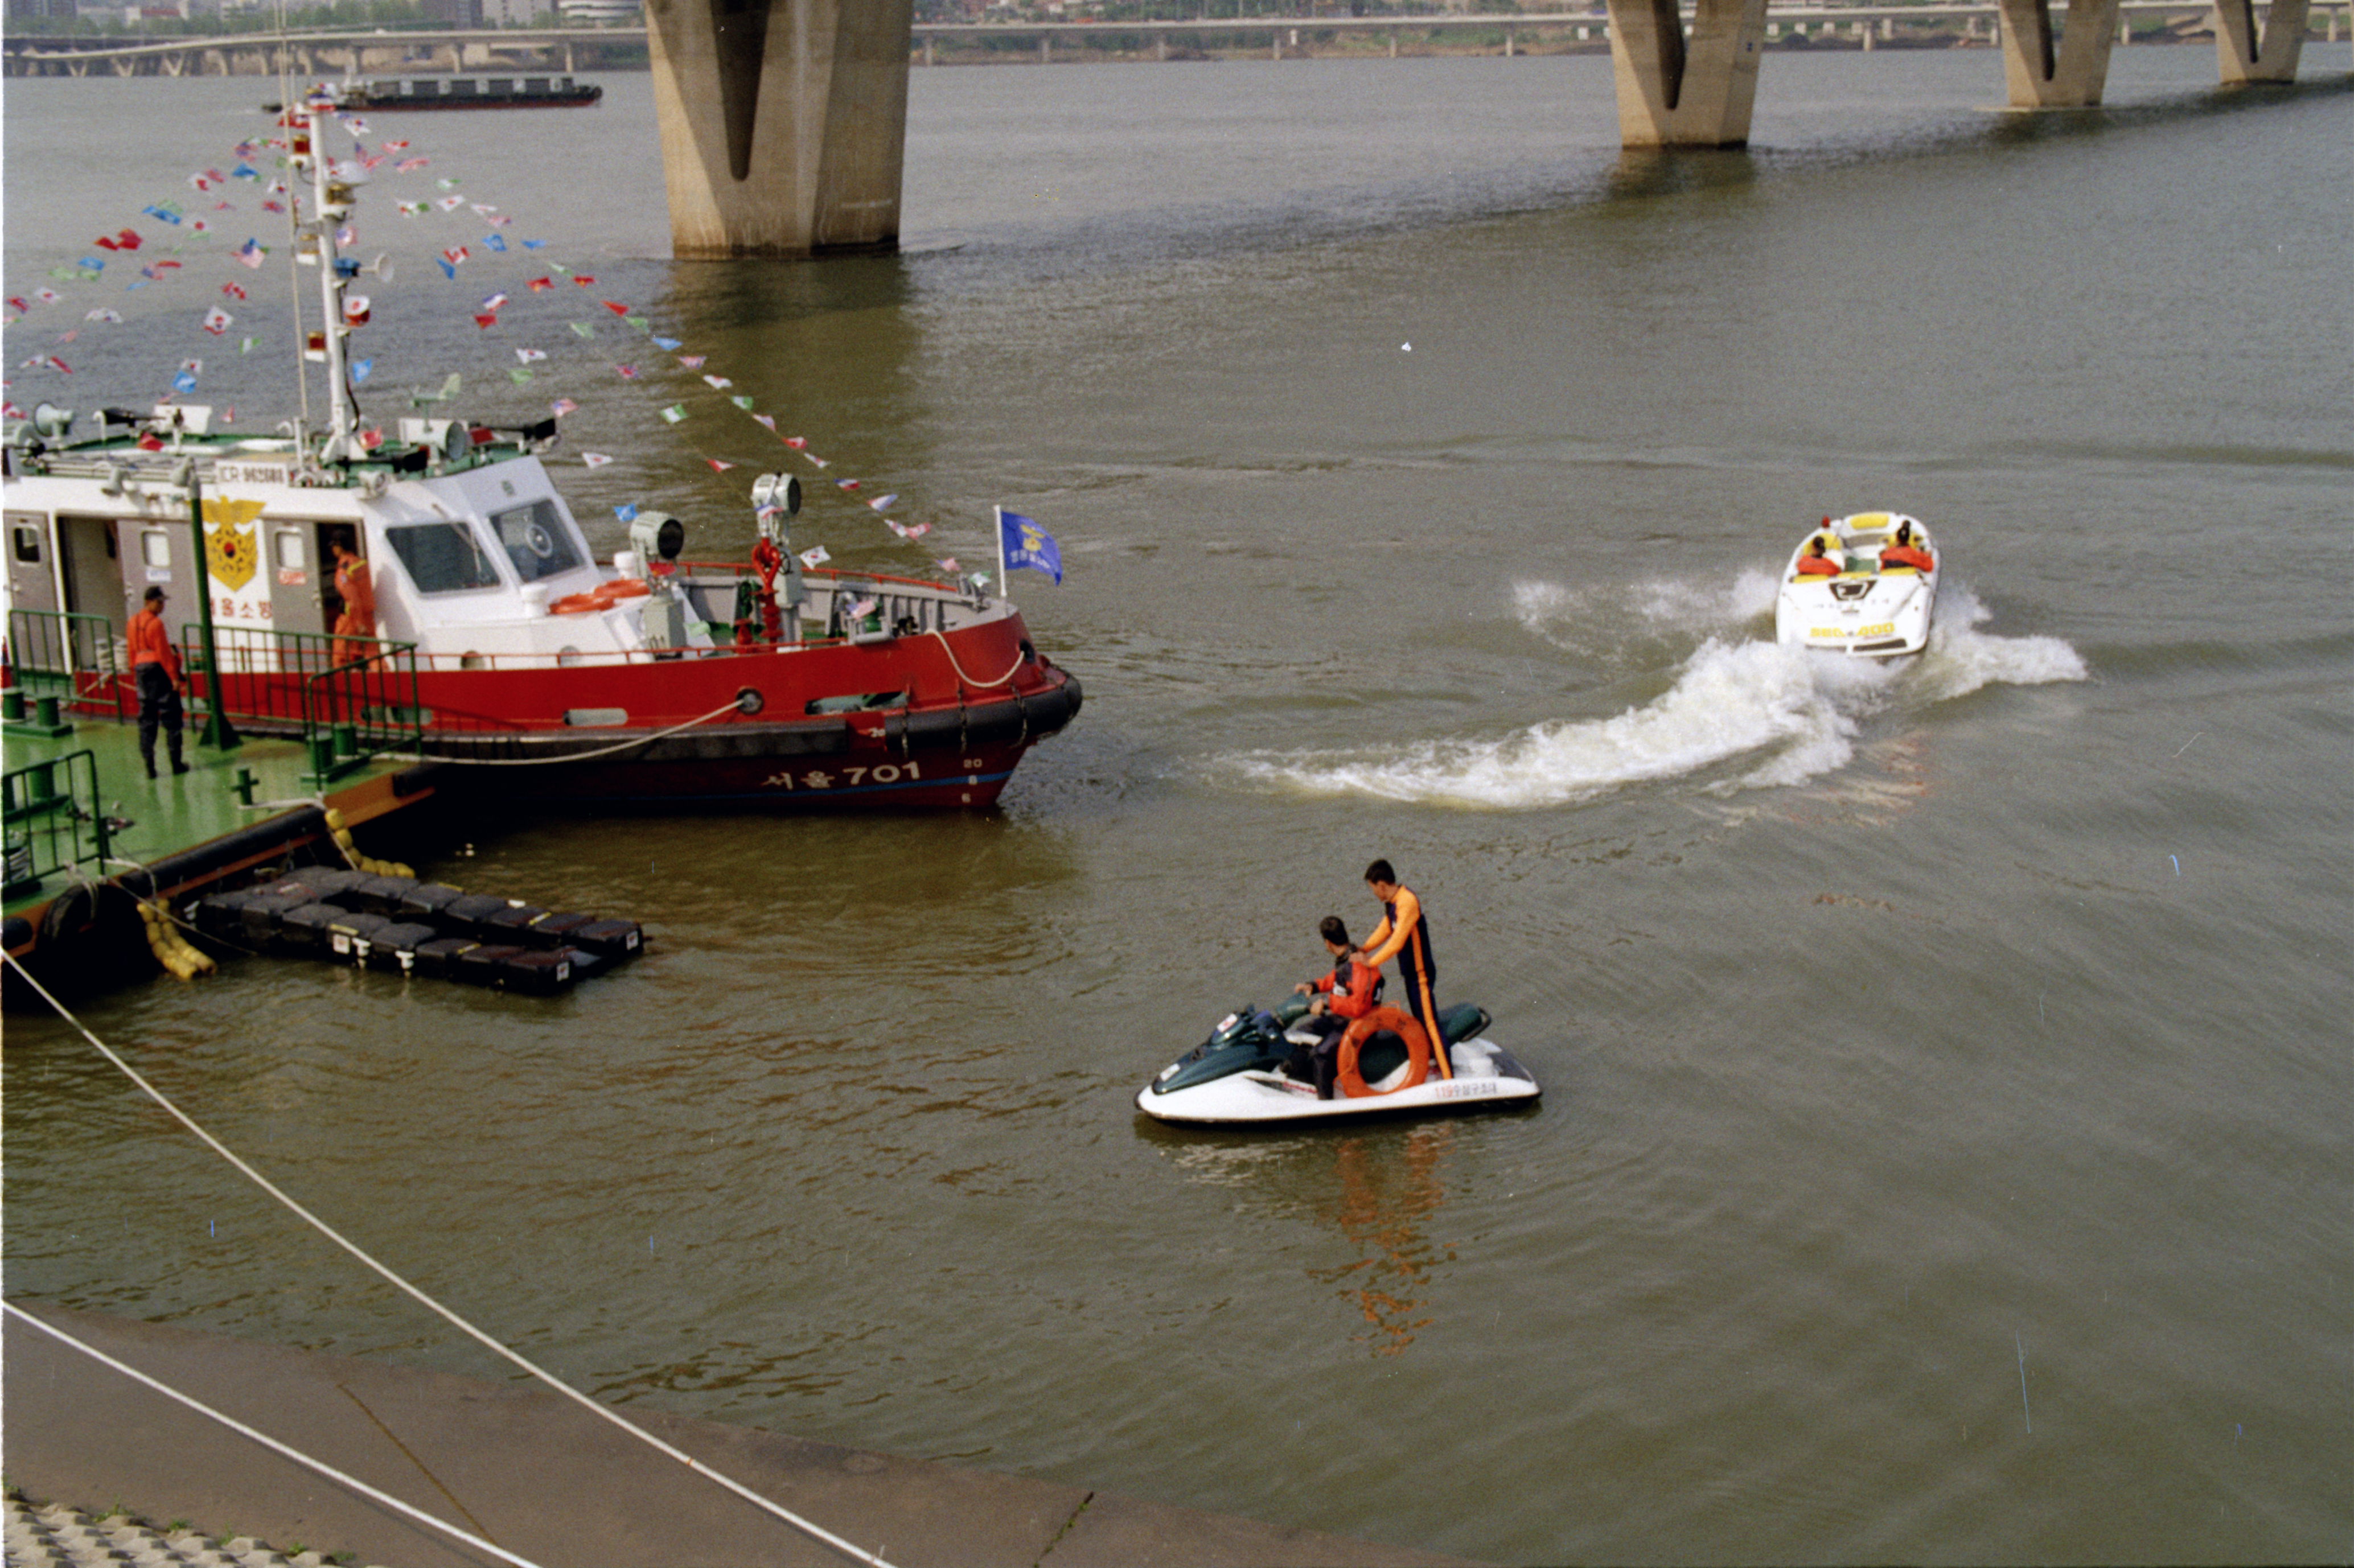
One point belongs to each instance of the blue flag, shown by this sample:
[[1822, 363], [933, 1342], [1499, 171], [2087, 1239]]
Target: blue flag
[[627, 511], [1027, 545]]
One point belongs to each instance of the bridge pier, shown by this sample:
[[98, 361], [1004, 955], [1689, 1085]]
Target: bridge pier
[[2241, 58], [784, 122], [1679, 92], [2071, 75]]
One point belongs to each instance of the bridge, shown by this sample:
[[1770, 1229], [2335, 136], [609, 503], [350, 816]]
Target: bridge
[[783, 122]]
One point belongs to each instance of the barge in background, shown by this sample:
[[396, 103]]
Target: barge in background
[[467, 92]]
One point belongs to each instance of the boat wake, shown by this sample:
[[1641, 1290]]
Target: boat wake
[[1740, 714]]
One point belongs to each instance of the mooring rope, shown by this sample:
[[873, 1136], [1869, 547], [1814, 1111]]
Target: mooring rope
[[1019, 660], [734, 704], [266, 1441], [815, 1531]]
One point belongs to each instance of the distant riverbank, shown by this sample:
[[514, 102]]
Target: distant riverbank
[[606, 51]]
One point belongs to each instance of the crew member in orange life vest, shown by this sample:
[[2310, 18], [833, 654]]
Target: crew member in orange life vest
[[355, 629], [1350, 992], [155, 665], [1405, 934], [1814, 563], [1906, 553]]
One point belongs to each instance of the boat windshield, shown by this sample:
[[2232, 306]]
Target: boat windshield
[[443, 557], [536, 540]]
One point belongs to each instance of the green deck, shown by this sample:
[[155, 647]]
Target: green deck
[[172, 813]]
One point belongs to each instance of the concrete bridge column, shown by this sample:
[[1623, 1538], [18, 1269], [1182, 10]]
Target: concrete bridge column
[[784, 122], [2239, 56], [2070, 74], [1674, 92]]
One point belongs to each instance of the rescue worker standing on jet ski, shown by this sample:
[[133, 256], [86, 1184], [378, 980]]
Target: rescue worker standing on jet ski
[[1350, 992], [1405, 934]]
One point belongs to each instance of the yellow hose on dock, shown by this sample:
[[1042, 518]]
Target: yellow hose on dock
[[357, 861], [180, 958]]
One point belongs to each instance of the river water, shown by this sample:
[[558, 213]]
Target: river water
[[1944, 1152]]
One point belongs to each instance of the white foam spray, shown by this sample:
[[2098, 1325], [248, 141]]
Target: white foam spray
[[1960, 658], [1758, 715], [1583, 621]]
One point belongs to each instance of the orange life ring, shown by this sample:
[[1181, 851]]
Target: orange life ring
[[1408, 1027], [621, 588], [574, 604]]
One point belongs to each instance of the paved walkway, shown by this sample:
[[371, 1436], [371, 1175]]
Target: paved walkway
[[69, 1538], [535, 1473]]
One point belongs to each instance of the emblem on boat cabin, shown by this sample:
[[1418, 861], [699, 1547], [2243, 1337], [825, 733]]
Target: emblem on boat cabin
[[232, 551]]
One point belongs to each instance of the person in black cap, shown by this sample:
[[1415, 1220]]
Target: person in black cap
[[155, 665]]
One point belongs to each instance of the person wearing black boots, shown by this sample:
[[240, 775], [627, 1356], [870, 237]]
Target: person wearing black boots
[[155, 665]]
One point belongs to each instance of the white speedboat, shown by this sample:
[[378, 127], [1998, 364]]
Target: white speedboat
[[1387, 1066], [1868, 609]]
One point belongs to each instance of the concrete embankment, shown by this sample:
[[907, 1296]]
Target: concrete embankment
[[536, 1473]]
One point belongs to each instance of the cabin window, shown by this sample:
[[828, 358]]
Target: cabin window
[[154, 548], [443, 557], [289, 549], [536, 540], [28, 542]]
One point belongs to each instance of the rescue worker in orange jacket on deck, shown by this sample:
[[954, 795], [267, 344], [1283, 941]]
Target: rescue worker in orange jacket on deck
[[156, 665], [1405, 934], [1815, 562], [355, 629], [1349, 994]]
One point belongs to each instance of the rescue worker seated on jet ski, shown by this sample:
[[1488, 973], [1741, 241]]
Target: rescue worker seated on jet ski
[[1348, 993]]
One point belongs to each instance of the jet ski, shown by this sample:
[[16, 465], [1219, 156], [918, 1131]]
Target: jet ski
[[1387, 1065], [1865, 611]]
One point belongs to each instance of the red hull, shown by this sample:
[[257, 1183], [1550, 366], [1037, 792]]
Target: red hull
[[723, 729]]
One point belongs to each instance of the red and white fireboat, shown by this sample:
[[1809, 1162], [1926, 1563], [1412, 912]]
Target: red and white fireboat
[[649, 681], [498, 640]]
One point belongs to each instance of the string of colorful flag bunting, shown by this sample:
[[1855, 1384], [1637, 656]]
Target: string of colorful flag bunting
[[185, 234]]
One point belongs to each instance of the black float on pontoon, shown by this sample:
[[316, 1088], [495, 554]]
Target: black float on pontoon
[[402, 925]]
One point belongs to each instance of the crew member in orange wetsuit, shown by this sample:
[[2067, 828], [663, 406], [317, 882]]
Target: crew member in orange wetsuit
[[1906, 553], [355, 628], [1349, 994], [1405, 934], [1814, 563], [156, 665]]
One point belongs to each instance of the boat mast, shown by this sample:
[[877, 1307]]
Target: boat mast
[[330, 204]]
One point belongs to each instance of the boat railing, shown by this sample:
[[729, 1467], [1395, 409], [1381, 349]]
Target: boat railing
[[362, 708], [69, 655], [357, 694], [51, 819]]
